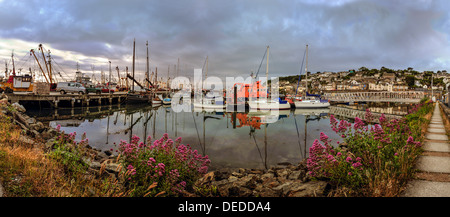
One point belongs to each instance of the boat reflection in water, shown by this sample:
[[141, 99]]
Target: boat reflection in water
[[231, 139]]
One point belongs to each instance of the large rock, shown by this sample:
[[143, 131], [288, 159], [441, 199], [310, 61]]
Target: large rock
[[18, 107], [308, 189]]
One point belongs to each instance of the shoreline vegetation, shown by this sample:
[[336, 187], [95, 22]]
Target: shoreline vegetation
[[39, 161]]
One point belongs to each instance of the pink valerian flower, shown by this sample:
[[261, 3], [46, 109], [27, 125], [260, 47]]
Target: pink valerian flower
[[357, 164], [358, 123], [323, 137], [349, 159], [333, 120], [382, 119], [342, 127], [368, 116], [135, 139], [160, 169], [178, 140], [174, 175], [330, 158], [411, 141], [151, 161], [378, 132], [179, 187], [58, 128], [131, 169], [315, 156]]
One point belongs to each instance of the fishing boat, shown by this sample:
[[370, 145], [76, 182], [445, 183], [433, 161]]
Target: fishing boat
[[167, 101], [268, 104], [132, 96], [157, 100], [309, 100]]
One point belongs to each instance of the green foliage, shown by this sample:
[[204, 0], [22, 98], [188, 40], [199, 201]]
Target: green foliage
[[70, 154]]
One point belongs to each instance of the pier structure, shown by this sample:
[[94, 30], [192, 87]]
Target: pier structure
[[382, 96], [83, 100], [352, 113]]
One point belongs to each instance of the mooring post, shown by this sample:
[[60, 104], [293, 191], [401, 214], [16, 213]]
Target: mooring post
[[235, 99]]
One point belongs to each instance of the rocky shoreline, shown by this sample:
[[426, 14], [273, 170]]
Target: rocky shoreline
[[36, 134], [283, 180]]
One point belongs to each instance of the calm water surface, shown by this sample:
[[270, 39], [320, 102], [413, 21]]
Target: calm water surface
[[247, 140]]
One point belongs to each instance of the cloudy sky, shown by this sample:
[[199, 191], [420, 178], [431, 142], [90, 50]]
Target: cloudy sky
[[341, 34]]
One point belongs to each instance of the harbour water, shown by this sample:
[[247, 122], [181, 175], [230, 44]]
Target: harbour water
[[245, 140]]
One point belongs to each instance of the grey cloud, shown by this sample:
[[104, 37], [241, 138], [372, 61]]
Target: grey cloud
[[234, 34]]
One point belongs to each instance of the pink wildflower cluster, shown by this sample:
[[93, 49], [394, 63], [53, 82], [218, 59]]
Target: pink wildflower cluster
[[340, 128], [164, 161], [411, 141], [320, 157]]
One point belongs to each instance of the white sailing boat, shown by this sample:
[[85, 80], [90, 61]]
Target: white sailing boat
[[209, 102], [268, 104], [310, 101]]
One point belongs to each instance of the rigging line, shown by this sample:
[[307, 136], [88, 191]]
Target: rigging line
[[298, 135], [204, 63], [256, 75], [299, 76], [257, 147], [22, 62], [54, 61], [198, 135]]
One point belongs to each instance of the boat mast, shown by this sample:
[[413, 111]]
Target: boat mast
[[45, 61], [148, 63], [134, 45], [50, 74], [42, 70], [267, 70], [14, 68], [306, 70], [6, 69]]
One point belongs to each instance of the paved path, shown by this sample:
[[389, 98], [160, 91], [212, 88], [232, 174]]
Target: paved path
[[1, 190], [433, 178]]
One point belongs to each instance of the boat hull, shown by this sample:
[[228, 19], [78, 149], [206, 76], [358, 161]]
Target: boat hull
[[209, 106], [137, 98], [269, 105], [302, 104], [156, 102]]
